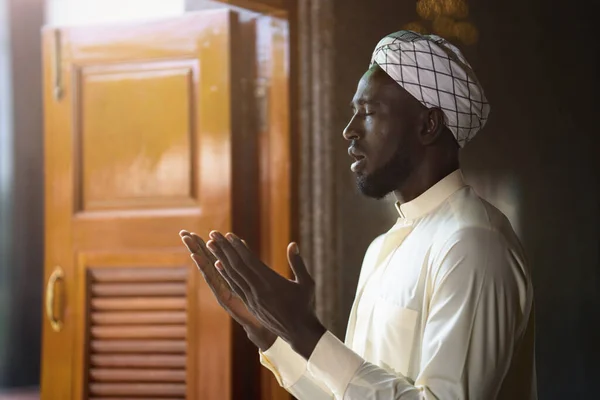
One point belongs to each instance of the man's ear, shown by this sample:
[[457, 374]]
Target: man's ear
[[433, 126]]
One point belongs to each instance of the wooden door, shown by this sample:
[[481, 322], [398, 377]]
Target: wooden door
[[139, 137]]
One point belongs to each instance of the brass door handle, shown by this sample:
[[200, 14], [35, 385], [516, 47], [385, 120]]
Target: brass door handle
[[56, 323]]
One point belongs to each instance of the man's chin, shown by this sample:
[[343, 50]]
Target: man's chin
[[371, 189]]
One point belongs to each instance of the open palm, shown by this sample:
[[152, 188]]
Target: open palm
[[235, 307]]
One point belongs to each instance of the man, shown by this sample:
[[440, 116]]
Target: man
[[444, 305]]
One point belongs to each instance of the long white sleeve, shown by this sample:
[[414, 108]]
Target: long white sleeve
[[478, 312], [290, 371]]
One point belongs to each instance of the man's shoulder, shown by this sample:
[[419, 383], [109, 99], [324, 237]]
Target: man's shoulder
[[466, 210], [375, 245], [470, 218]]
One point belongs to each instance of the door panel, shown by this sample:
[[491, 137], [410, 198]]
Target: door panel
[[149, 168], [136, 313], [138, 141]]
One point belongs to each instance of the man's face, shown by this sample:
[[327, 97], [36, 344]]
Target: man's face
[[383, 133]]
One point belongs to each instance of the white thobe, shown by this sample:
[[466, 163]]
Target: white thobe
[[443, 310]]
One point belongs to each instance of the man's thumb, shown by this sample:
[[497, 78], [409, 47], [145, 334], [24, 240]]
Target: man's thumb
[[297, 264]]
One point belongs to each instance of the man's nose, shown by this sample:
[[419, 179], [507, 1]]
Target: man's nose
[[352, 131]]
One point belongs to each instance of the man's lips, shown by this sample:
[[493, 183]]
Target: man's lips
[[355, 153], [359, 159], [358, 165]]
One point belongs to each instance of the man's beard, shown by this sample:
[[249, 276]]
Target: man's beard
[[387, 178]]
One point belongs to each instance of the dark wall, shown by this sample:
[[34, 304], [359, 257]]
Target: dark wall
[[22, 202], [535, 160], [543, 137]]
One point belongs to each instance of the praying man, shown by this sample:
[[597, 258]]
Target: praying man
[[444, 304]]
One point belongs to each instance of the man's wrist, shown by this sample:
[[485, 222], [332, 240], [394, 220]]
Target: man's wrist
[[305, 340], [261, 337]]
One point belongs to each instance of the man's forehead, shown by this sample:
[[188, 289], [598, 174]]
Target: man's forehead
[[374, 76], [374, 84]]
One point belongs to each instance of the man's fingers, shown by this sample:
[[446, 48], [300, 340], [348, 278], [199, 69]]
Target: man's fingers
[[217, 279], [211, 275], [191, 244], [218, 249], [217, 283], [297, 265], [205, 261], [243, 251], [203, 248], [201, 258], [195, 244], [236, 289], [188, 241], [231, 248]]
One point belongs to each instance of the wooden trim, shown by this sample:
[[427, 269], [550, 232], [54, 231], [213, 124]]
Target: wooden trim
[[317, 183], [276, 164], [245, 189], [58, 167], [278, 8]]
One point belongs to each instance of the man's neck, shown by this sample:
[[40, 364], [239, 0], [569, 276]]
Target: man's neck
[[421, 180]]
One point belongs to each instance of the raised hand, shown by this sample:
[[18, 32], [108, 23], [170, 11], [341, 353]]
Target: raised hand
[[285, 307], [205, 261]]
